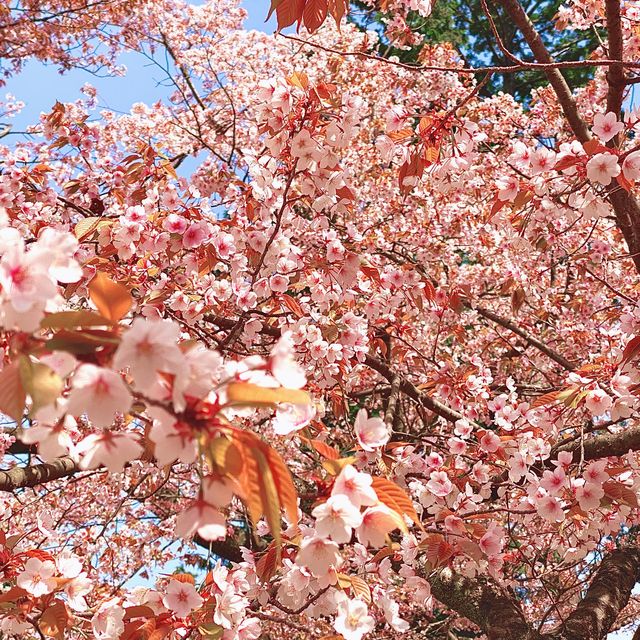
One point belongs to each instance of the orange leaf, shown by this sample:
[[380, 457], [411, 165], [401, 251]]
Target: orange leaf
[[267, 564], [12, 393], [395, 498], [112, 299], [138, 611], [324, 449], [314, 14], [54, 620], [187, 578], [292, 304]]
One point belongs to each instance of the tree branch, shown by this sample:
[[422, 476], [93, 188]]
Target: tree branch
[[555, 77], [606, 596], [36, 474], [534, 342], [484, 603]]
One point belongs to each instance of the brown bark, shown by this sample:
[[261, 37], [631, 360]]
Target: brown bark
[[607, 595], [31, 476]]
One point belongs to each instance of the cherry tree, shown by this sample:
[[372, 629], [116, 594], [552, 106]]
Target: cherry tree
[[367, 368]]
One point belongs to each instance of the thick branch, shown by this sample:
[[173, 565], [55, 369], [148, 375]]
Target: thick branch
[[228, 549], [36, 474], [605, 445], [410, 390], [607, 595], [615, 74], [485, 603], [534, 342]]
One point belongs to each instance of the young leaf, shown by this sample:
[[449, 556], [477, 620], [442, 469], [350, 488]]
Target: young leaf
[[395, 498], [41, 382], [252, 395], [112, 298], [12, 393]]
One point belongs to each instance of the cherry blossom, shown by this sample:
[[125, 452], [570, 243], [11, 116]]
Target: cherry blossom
[[602, 168], [182, 598], [606, 126], [353, 621], [372, 433], [38, 577], [356, 486], [99, 394], [337, 518]]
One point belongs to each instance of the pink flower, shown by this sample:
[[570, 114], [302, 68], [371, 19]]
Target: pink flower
[[305, 149], [602, 168], [98, 393], [148, 347], [508, 188], [203, 518], [553, 481], [595, 473], [182, 598], [491, 543], [542, 160], [24, 278], [372, 433], [37, 577], [195, 235], [439, 484], [631, 166], [606, 126], [173, 440], [589, 496], [319, 555], [353, 620], [490, 442], [377, 522], [550, 509], [337, 518], [598, 402], [279, 283], [110, 448], [356, 486]]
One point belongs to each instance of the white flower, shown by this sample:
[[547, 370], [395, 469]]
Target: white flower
[[606, 126], [203, 518], [98, 393], [392, 613], [148, 347], [108, 621], [37, 577], [337, 518], [69, 565], [356, 486], [76, 589], [229, 605], [182, 598], [353, 620], [110, 448], [602, 168], [319, 555], [372, 433]]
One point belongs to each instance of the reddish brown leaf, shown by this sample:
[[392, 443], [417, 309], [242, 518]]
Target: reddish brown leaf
[[395, 498]]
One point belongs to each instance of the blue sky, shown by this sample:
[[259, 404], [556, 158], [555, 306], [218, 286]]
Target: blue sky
[[40, 85]]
